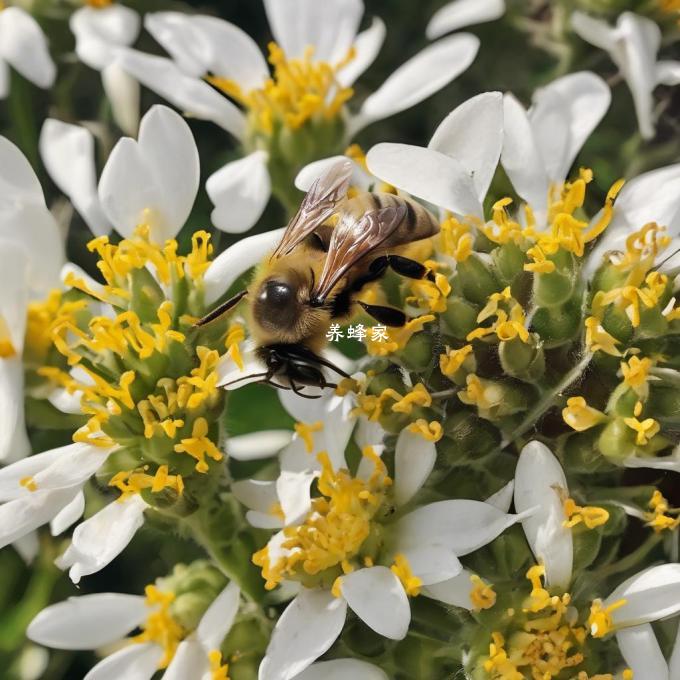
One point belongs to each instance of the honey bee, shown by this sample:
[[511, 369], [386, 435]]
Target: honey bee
[[333, 247]]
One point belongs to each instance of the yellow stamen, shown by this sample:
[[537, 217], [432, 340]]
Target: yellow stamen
[[482, 594], [597, 338], [591, 516], [402, 570], [644, 429], [217, 670], [600, 620], [451, 362], [578, 415], [306, 433], [431, 432], [199, 446], [28, 483]]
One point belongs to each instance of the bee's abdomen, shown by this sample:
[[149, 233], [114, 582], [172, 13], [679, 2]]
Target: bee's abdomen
[[418, 223]]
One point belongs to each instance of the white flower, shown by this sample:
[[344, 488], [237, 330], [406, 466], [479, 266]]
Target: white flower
[[201, 45], [461, 13], [421, 548], [94, 621], [540, 483], [632, 45], [642, 654], [23, 46], [154, 180], [99, 33], [540, 145], [455, 170]]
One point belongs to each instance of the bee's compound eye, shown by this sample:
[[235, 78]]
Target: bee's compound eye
[[277, 293]]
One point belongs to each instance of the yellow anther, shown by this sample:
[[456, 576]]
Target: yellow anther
[[484, 394], [635, 374], [402, 570], [590, 516], [644, 429], [659, 518], [306, 433], [510, 319], [99, 4], [482, 595], [218, 671], [431, 432], [235, 337], [597, 338], [160, 627], [579, 416], [333, 533], [397, 338], [300, 91], [336, 588], [28, 483], [430, 295], [418, 396], [600, 620], [455, 239], [357, 154], [199, 446], [454, 359], [135, 481]]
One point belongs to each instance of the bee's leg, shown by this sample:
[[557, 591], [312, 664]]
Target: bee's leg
[[388, 316], [222, 309], [409, 268]]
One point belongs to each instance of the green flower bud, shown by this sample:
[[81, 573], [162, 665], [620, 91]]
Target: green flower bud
[[523, 360], [460, 317], [467, 438], [509, 260], [618, 441], [475, 277], [418, 353], [558, 324]]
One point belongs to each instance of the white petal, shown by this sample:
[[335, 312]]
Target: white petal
[[123, 93], [258, 445], [432, 563], [22, 515], [69, 515], [377, 597], [650, 595], [539, 479], [414, 459], [674, 662], [239, 191], [342, 669], [76, 465], [454, 591], [427, 174], [14, 444], [368, 433], [18, 180], [293, 491], [88, 621], [232, 376], [577, 102], [136, 662], [24, 46], [28, 547], [203, 44], [668, 72], [219, 617], [306, 629], [367, 45], [306, 410], [236, 260], [263, 520], [595, 31], [99, 31], [462, 525], [168, 146], [102, 537], [256, 494], [472, 134], [520, 157], [641, 652], [190, 661], [4, 78], [421, 76], [192, 95], [69, 155], [671, 462], [312, 171], [640, 39], [503, 497], [461, 13], [11, 475], [328, 26]]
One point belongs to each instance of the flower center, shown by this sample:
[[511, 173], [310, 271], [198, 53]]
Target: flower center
[[218, 671], [99, 4], [160, 627], [333, 536], [660, 517], [299, 91]]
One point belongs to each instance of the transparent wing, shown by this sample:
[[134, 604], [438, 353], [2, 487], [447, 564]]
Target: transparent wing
[[352, 240], [317, 206]]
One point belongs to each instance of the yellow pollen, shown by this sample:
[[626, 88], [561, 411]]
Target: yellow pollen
[[99, 4], [484, 394], [306, 433], [431, 432], [160, 627], [430, 295], [482, 594], [299, 91], [455, 239], [402, 570], [28, 483], [235, 337], [218, 671], [644, 429], [600, 620], [590, 516], [135, 481], [659, 518], [333, 533], [357, 154], [597, 338], [199, 446], [579, 416], [418, 396], [635, 374], [510, 320]]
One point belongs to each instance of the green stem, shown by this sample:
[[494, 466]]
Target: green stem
[[629, 561]]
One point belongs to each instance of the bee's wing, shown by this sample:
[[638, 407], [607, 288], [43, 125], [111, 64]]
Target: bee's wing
[[317, 206], [352, 240]]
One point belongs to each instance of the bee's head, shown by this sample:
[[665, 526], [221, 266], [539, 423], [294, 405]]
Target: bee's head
[[279, 304]]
